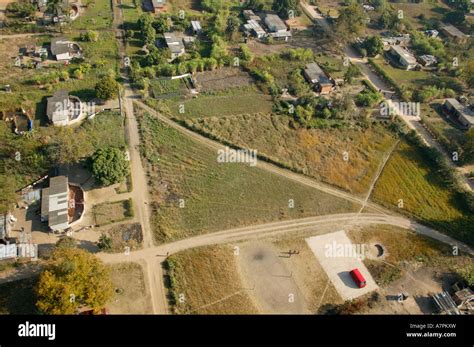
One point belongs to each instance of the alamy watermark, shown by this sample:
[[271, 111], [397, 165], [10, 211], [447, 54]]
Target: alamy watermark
[[230, 155], [394, 108], [345, 250]]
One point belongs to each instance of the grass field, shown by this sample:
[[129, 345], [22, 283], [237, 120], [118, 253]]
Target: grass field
[[408, 176], [130, 291], [112, 212], [97, 15], [131, 10], [215, 196], [316, 152], [206, 281], [235, 101]]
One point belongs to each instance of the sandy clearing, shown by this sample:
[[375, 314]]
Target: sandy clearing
[[338, 267]]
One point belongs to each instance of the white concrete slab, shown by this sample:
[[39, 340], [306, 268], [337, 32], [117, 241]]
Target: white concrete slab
[[338, 264]]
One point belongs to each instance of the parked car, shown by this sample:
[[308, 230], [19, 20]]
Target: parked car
[[358, 278]]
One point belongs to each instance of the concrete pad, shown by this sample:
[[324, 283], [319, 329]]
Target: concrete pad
[[338, 266]]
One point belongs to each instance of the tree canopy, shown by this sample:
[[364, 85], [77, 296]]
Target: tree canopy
[[73, 279], [109, 166], [107, 88]]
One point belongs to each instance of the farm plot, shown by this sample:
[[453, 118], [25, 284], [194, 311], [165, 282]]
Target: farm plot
[[224, 78], [409, 179], [193, 193], [112, 212], [315, 152], [224, 103], [208, 279], [167, 88]]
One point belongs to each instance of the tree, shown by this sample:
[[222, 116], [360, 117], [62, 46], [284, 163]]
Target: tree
[[73, 279], [286, 8], [469, 146], [109, 166], [468, 73], [21, 9], [161, 24], [214, 5], [373, 45], [352, 72], [90, 36], [107, 88], [66, 242], [462, 5], [351, 20], [105, 242], [7, 193], [455, 17]]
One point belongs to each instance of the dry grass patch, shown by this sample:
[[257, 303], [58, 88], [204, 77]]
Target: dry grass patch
[[308, 274], [403, 248], [194, 194], [207, 280], [315, 152], [130, 291]]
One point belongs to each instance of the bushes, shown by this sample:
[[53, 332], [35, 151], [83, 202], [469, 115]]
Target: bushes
[[400, 91], [367, 98]]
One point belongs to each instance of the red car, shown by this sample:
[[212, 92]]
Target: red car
[[358, 278]]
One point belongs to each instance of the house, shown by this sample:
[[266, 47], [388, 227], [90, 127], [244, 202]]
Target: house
[[196, 25], [316, 76], [276, 27], [250, 15], [158, 5], [55, 203], [462, 113], [175, 45], [252, 27], [274, 23], [453, 33], [427, 60], [64, 50], [62, 108], [404, 57]]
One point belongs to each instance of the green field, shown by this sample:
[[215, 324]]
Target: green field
[[194, 194], [231, 102], [315, 152], [409, 176], [97, 15]]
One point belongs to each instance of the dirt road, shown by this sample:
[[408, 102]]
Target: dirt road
[[140, 193], [283, 227]]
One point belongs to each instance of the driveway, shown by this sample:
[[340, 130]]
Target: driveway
[[338, 266]]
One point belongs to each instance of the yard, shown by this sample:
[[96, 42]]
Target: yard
[[97, 15], [195, 194], [409, 178], [316, 152], [113, 212]]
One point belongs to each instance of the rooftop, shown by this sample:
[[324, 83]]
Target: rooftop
[[57, 107], [453, 31], [465, 111], [314, 72], [274, 22], [174, 43], [402, 52]]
